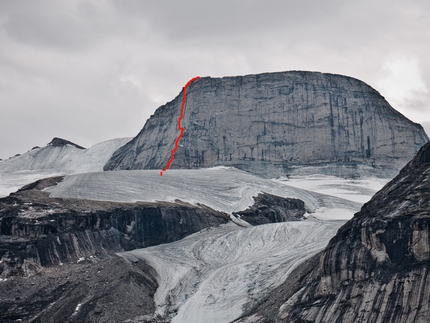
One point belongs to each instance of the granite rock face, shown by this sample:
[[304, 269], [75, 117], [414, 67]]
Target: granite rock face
[[376, 268], [270, 123]]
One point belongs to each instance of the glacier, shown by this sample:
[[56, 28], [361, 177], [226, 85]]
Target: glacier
[[223, 189], [217, 274]]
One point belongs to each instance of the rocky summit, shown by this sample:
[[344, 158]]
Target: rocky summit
[[376, 268], [271, 123]]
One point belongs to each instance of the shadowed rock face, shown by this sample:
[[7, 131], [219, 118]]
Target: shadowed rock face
[[268, 208], [269, 123], [59, 142], [38, 231], [376, 268]]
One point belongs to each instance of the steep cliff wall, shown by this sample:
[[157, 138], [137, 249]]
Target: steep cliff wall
[[36, 230], [271, 122], [376, 268]]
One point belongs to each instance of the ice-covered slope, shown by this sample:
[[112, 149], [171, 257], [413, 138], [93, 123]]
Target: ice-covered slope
[[66, 158], [52, 161], [224, 189], [216, 274]]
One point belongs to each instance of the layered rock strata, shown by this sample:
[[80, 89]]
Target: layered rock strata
[[270, 123], [376, 268], [38, 231]]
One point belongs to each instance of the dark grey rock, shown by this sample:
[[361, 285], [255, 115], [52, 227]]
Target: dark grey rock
[[101, 290], [268, 208], [376, 268], [38, 231], [270, 123], [58, 142]]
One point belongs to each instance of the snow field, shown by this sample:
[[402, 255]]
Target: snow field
[[214, 275], [223, 189], [66, 159]]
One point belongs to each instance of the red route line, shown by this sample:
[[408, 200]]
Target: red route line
[[181, 130]]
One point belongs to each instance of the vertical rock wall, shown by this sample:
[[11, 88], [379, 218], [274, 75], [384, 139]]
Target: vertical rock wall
[[275, 121], [376, 268]]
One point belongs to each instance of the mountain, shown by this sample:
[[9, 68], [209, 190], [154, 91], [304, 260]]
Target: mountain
[[218, 244], [59, 256], [63, 156], [39, 231], [376, 268], [60, 239], [271, 123], [59, 142]]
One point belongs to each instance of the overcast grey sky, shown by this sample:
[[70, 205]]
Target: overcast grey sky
[[90, 71]]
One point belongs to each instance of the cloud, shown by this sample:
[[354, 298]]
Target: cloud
[[403, 84], [92, 70], [402, 79]]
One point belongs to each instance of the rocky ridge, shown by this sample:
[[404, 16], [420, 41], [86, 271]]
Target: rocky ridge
[[59, 142], [58, 257], [37, 231], [376, 268], [270, 123]]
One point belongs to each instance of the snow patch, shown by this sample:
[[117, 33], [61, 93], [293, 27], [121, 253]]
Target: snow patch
[[78, 307]]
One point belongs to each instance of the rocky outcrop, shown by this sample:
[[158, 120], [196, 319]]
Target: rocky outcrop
[[268, 208], [59, 142], [93, 291], [376, 268], [270, 123], [39, 231], [63, 157]]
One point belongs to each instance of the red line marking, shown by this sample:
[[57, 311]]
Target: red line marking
[[181, 129]]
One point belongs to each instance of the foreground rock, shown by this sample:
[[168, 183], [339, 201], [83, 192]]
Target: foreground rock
[[58, 257], [270, 123], [376, 268], [38, 231], [97, 290]]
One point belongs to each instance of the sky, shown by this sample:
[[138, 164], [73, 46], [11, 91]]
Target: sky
[[92, 70]]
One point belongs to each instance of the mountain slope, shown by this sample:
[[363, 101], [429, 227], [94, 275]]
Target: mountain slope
[[63, 156], [59, 157], [376, 268], [270, 123]]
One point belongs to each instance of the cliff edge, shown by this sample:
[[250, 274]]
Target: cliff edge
[[270, 123], [376, 268]]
